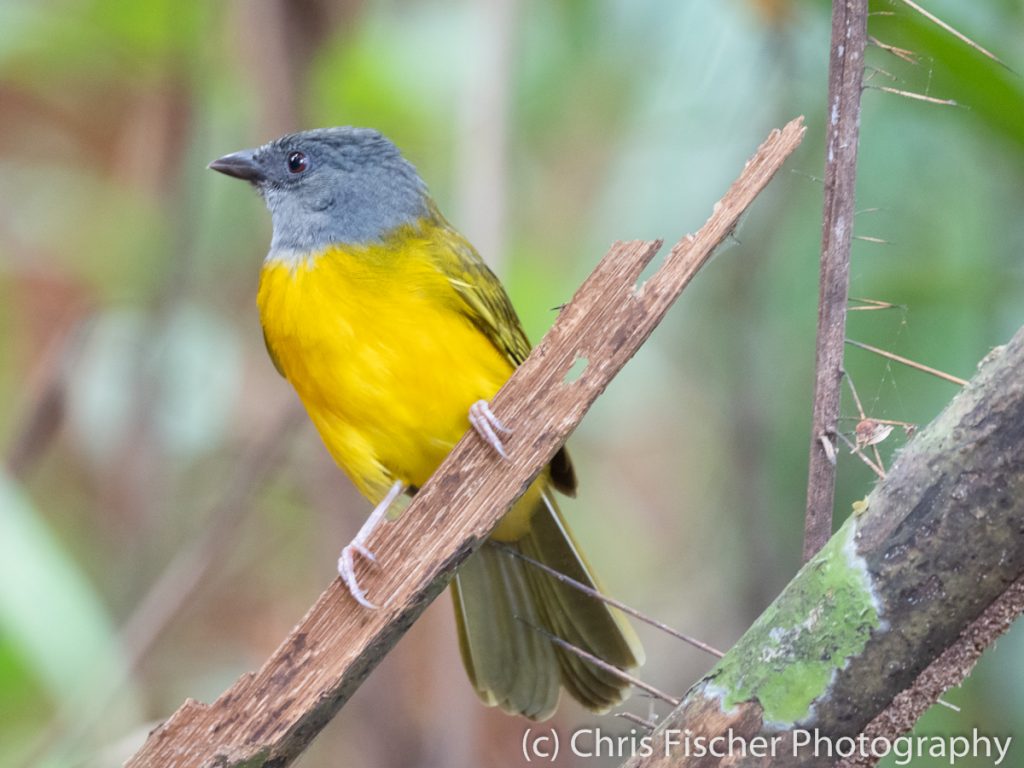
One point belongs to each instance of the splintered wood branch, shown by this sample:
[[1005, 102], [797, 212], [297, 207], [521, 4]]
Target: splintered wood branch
[[267, 718]]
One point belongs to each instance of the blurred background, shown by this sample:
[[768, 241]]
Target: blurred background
[[168, 514]]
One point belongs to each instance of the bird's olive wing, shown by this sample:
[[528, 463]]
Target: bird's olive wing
[[484, 301], [482, 297]]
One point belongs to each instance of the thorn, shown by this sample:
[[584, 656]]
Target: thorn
[[956, 33], [915, 96], [945, 703], [900, 53], [872, 304], [910, 363]]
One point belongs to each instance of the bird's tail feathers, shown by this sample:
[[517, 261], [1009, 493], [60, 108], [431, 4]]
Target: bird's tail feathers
[[502, 603]]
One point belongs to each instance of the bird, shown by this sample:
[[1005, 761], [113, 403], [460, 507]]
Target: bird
[[395, 335]]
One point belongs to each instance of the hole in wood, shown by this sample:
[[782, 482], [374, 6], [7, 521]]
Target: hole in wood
[[648, 271], [579, 365]]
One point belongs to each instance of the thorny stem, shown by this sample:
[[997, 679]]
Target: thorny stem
[[846, 69]]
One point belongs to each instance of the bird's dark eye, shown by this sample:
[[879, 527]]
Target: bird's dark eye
[[297, 162]]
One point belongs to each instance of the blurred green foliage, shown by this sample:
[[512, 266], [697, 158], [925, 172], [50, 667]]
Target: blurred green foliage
[[129, 272]]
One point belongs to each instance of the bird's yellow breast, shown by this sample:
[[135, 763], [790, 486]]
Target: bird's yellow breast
[[381, 352]]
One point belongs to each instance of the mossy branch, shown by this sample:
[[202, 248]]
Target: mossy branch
[[899, 604], [267, 718]]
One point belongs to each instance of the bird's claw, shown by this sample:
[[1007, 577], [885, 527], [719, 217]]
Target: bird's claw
[[487, 425], [347, 571]]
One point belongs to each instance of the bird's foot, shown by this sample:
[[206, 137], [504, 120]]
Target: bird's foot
[[347, 560], [488, 426]]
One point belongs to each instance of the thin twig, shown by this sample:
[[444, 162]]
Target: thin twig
[[612, 601], [846, 70], [905, 361], [602, 664]]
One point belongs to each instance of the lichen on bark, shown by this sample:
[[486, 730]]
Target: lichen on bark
[[789, 657]]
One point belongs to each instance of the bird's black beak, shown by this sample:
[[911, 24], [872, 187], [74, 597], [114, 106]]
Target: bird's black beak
[[241, 165]]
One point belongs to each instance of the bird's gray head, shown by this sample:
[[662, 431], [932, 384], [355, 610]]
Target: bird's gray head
[[331, 185]]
